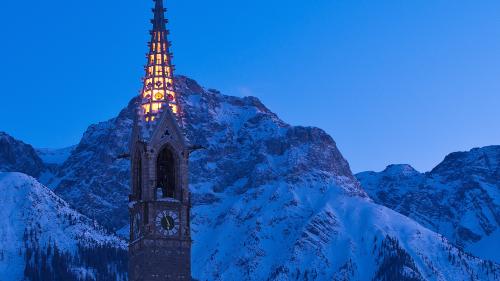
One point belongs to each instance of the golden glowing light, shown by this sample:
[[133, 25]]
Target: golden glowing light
[[174, 108], [158, 89], [159, 96]]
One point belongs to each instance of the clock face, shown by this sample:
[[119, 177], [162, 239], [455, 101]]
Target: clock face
[[136, 226], [167, 223]]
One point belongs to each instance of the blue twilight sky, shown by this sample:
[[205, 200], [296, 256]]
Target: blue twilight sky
[[391, 81]]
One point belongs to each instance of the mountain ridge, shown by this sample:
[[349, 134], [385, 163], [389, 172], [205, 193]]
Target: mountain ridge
[[459, 198], [271, 201]]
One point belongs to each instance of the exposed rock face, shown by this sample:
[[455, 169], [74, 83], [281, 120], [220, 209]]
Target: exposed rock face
[[460, 198], [245, 141], [16, 156]]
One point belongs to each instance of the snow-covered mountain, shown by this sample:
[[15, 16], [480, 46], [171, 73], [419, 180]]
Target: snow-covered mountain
[[315, 231], [460, 198], [270, 201], [41, 235], [18, 156]]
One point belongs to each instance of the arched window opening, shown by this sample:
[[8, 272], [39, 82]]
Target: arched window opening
[[165, 174], [138, 177]]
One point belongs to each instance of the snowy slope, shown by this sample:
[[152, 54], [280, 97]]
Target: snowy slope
[[270, 201], [54, 156], [460, 198], [34, 217], [52, 159], [317, 232]]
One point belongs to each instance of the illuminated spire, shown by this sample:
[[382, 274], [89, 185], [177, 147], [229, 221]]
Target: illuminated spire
[[158, 89]]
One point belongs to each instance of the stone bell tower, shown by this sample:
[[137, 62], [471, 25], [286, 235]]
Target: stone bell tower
[[160, 241]]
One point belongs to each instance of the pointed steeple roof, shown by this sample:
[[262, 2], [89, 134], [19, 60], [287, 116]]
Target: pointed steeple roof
[[158, 93]]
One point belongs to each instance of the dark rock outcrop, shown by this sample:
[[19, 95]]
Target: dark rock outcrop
[[17, 156]]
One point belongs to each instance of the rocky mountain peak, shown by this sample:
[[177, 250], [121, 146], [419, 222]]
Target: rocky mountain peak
[[400, 170], [245, 142], [17, 156], [484, 161]]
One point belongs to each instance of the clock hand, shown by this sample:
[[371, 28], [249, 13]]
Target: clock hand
[[168, 221]]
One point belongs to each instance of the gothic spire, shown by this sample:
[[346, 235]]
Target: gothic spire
[[158, 89]]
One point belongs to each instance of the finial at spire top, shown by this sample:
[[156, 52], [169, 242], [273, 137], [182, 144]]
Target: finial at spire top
[[159, 16]]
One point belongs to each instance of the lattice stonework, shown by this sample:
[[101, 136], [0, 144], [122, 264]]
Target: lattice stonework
[[158, 89]]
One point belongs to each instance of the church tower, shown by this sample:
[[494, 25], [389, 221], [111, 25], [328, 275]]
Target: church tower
[[160, 241]]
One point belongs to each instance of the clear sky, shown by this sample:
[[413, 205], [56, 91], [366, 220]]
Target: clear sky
[[391, 81]]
